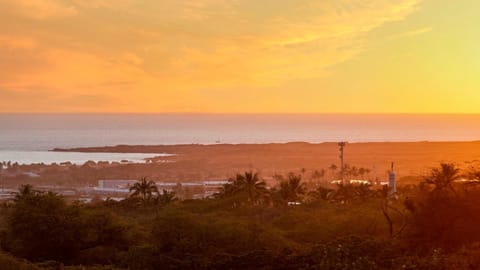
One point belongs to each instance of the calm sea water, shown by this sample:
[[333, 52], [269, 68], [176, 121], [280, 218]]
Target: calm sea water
[[20, 133], [30, 157]]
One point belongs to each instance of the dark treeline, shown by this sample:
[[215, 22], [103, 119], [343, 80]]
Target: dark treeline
[[433, 225]]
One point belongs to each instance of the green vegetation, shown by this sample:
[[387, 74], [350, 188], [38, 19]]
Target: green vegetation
[[434, 225]]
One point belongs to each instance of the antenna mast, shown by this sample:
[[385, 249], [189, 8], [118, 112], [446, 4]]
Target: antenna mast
[[342, 164], [1, 182]]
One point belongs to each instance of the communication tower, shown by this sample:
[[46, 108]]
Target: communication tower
[[341, 146]]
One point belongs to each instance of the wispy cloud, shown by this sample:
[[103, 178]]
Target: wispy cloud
[[412, 33], [93, 101], [169, 49], [11, 42], [39, 9]]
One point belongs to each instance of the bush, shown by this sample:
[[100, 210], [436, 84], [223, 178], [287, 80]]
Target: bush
[[8, 262]]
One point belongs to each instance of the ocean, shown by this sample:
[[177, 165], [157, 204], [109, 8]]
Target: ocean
[[21, 134]]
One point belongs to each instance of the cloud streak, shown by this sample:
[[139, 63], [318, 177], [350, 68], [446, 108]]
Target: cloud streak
[[169, 49], [39, 9], [411, 33]]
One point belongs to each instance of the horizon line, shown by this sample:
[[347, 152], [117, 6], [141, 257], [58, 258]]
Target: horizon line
[[241, 113]]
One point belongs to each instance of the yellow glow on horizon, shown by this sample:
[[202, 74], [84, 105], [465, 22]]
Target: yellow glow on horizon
[[221, 56]]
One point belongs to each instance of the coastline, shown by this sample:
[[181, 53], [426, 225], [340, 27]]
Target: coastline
[[78, 158], [411, 158], [196, 162], [158, 148]]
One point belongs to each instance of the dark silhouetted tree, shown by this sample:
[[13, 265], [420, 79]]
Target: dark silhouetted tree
[[165, 198], [244, 187], [443, 177], [292, 189], [144, 188]]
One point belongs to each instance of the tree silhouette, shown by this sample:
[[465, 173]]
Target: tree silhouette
[[24, 191], [144, 188], [226, 190], [303, 171], [318, 174], [292, 189], [333, 168], [165, 197], [322, 193], [247, 186], [443, 177], [251, 184]]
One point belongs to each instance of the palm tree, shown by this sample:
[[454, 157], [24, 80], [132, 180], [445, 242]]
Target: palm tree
[[25, 191], [333, 168], [246, 186], [318, 174], [322, 193], [165, 197], [226, 190], [443, 177], [251, 185], [303, 171], [293, 188], [367, 172], [354, 171], [144, 188]]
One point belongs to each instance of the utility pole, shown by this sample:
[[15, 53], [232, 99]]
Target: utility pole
[[1, 182], [342, 166]]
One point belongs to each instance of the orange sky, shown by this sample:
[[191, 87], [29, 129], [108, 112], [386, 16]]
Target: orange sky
[[240, 56]]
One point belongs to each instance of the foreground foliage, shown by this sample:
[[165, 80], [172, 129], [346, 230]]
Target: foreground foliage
[[434, 225]]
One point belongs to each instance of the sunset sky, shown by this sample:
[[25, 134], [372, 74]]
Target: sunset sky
[[240, 56]]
